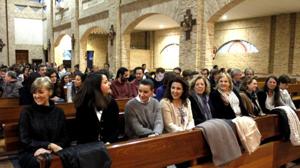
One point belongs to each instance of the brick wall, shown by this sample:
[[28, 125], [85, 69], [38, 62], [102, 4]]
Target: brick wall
[[258, 32]]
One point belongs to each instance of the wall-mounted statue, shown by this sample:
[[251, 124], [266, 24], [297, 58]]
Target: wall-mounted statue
[[1, 45]]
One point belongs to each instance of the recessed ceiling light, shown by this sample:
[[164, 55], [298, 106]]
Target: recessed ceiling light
[[161, 26], [224, 17]]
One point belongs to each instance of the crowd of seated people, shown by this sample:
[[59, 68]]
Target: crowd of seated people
[[166, 102]]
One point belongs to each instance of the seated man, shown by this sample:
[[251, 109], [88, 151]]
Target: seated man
[[120, 87], [11, 85], [143, 114]]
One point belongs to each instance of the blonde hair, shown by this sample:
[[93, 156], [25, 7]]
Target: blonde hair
[[40, 83], [221, 75]]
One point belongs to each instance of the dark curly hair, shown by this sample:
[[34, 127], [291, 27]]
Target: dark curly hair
[[185, 87]]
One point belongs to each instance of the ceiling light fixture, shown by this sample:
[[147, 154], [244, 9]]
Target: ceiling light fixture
[[224, 17]]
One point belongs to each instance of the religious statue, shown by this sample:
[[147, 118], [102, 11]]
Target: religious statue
[[187, 23], [1, 45], [49, 45], [111, 34], [73, 40]]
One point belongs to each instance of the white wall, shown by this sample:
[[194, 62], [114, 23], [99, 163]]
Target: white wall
[[28, 31]]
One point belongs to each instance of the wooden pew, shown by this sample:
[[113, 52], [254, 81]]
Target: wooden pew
[[154, 152], [12, 114], [11, 132], [122, 103], [9, 116], [294, 90], [185, 146], [9, 102]]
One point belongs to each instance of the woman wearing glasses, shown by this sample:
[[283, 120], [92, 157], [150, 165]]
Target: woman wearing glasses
[[176, 107]]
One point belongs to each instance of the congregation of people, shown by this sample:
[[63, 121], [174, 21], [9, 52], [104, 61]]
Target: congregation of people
[[160, 102]]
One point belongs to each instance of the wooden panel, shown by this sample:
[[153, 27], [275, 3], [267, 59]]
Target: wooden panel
[[285, 152], [21, 56], [11, 113], [9, 102], [122, 103], [268, 125], [262, 157], [11, 137], [155, 152], [158, 151]]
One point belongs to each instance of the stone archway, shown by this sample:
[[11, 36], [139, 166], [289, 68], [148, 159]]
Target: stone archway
[[160, 39], [213, 10], [62, 49], [143, 9], [94, 39]]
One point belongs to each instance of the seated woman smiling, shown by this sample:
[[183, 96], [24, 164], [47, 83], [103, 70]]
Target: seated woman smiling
[[42, 125]]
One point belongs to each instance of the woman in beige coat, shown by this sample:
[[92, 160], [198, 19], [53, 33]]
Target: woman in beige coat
[[176, 107]]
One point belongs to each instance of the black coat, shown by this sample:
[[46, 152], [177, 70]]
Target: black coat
[[39, 126], [89, 128], [197, 109], [225, 111]]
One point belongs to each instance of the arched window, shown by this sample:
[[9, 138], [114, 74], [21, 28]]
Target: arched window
[[237, 46]]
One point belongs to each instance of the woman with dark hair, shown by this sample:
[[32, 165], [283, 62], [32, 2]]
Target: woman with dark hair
[[57, 95], [285, 96], [226, 101], [97, 112], [269, 97], [64, 84], [161, 90], [176, 107], [200, 102], [248, 94], [77, 84], [42, 125]]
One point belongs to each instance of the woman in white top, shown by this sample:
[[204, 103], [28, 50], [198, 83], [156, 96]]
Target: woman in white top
[[226, 101], [176, 107], [284, 81], [269, 97]]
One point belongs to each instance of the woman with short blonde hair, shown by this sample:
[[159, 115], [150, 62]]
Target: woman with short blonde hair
[[226, 101], [42, 125]]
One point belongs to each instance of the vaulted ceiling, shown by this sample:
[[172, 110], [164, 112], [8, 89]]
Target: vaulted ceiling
[[246, 9]]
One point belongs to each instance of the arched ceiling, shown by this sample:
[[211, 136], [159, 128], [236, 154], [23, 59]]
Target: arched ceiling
[[156, 22], [259, 8]]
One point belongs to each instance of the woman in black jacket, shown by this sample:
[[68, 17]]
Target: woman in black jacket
[[269, 96], [42, 125], [225, 100], [97, 112], [200, 102]]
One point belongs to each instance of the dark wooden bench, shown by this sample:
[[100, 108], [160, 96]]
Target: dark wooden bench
[[122, 103], [174, 148], [12, 114], [9, 102]]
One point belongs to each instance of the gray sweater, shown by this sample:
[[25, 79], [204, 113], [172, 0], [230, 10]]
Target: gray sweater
[[143, 119]]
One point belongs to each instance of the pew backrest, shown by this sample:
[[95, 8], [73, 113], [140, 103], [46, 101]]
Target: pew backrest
[[9, 102], [122, 103], [12, 114]]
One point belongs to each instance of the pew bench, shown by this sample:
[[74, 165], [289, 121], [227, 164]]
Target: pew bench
[[10, 114], [190, 146], [9, 102]]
